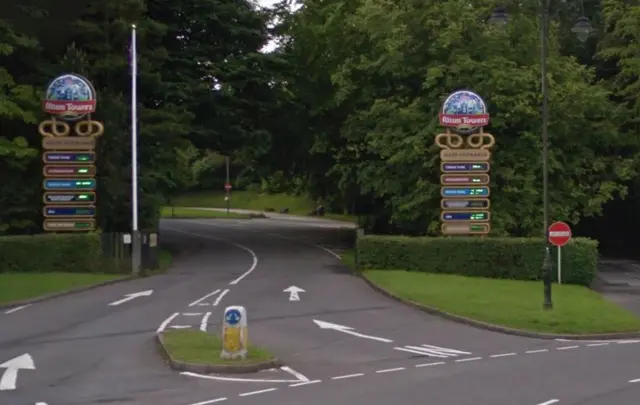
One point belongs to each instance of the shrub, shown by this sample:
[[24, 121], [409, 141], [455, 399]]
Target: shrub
[[509, 258], [74, 253]]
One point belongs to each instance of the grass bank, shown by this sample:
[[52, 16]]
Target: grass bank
[[185, 212], [23, 286], [510, 303], [197, 347], [255, 201]]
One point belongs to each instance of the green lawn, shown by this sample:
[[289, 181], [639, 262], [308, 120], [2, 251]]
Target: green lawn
[[255, 201], [185, 212], [21, 286], [194, 346], [515, 304]]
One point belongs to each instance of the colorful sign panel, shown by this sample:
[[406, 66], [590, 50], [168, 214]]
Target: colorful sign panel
[[464, 156], [68, 141]]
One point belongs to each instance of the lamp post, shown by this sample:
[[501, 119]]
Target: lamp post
[[582, 29]]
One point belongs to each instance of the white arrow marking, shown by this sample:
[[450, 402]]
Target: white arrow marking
[[132, 296], [41, 403], [348, 330], [8, 379], [293, 292]]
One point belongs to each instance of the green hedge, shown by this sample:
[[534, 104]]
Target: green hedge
[[510, 258], [75, 253]]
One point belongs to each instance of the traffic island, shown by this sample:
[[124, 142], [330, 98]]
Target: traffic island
[[199, 352], [509, 306]]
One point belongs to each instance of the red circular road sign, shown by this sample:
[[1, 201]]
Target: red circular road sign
[[227, 186], [559, 234]]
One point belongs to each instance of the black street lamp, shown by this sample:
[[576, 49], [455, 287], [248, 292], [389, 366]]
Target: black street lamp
[[582, 29]]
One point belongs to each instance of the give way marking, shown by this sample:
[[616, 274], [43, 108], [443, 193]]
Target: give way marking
[[297, 377]]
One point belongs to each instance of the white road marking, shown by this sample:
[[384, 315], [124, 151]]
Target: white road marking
[[9, 377], [551, 401], [429, 364], [348, 330], [294, 373], [567, 347], [634, 381], [390, 370], [220, 297], [191, 313], [205, 320], [246, 394], [41, 403], [536, 351], [16, 309], [305, 383], [234, 379], [469, 359], [212, 401], [294, 292], [331, 252], [433, 351], [132, 296], [179, 326], [254, 257], [597, 344], [342, 377], [199, 300], [503, 355], [166, 322]]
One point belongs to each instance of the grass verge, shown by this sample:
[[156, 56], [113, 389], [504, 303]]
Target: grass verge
[[255, 201], [22, 286], [185, 212], [510, 303], [197, 347]]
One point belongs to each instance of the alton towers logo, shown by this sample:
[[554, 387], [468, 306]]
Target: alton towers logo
[[464, 112], [70, 97]]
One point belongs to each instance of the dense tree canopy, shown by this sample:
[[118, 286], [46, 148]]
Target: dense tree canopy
[[344, 108]]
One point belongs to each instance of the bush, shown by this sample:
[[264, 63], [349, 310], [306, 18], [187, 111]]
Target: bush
[[509, 258], [73, 253]]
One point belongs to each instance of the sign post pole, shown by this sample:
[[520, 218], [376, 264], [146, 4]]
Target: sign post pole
[[559, 235]]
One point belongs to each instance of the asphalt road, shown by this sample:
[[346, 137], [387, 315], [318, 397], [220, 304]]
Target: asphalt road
[[343, 342]]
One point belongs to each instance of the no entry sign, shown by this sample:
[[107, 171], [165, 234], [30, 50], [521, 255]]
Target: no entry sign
[[227, 186], [559, 234]]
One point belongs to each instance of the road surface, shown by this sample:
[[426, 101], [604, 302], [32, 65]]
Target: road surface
[[342, 342]]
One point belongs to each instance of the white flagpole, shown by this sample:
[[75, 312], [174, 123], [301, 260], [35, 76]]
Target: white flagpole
[[134, 154]]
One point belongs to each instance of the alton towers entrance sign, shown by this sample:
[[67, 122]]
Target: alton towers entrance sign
[[465, 152], [69, 138]]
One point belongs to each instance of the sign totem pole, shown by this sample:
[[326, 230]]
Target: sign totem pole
[[68, 143], [465, 151]]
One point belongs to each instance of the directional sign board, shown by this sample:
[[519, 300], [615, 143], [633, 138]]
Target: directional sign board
[[66, 197], [69, 157], [69, 184], [69, 225], [464, 163], [69, 171], [73, 211], [559, 234]]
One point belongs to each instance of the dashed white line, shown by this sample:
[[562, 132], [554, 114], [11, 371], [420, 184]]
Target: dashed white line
[[567, 347], [300, 384], [192, 313], [549, 402], [211, 401], [166, 322], [429, 364], [390, 370], [246, 394], [205, 321], [220, 297], [342, 377], [199, 300], [634, 381], [469, 359], [597, 344], [536, 351], [16, 309], [502, 355]]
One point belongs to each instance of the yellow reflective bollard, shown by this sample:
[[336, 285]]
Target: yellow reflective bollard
[[234, 333]]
